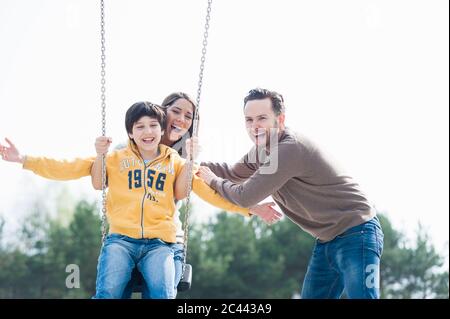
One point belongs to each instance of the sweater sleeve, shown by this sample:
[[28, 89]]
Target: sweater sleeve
[[264, 182], [59, 169], [212, 197], [209, 195], [236, 173]]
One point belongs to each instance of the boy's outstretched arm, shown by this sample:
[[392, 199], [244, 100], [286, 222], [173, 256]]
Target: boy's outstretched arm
[[48, 167], [11, 153]]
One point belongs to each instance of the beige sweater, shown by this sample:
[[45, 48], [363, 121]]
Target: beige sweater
[[305, 184]]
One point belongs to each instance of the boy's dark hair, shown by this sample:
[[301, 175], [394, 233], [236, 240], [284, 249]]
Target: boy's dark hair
[[261, 94], [173, 97], [140, 109]]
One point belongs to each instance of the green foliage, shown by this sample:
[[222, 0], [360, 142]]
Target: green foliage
[[85, 233], [235, 258], [411, 272], [232, 257], [35, 267]]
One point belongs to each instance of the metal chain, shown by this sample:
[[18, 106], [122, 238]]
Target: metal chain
[[103, 105], [190, 162]]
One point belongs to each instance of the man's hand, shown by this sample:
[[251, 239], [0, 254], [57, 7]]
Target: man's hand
[[206, 174], [11, 153], [102, 144], [266, 213]]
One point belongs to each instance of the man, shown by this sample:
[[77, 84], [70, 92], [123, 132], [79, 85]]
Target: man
[[312, 193]]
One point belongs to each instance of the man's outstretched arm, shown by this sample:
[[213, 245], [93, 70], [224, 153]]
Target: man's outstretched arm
[[258, 186], [236, 173]]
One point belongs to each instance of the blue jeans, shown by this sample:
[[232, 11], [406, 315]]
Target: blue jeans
[[350, 262], [121, 254], [178, 257]]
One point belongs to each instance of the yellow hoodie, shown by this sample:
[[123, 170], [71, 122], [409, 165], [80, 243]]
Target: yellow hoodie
[[140, 199]]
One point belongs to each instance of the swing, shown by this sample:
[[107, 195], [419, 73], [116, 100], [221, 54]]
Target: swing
[[186, 277]]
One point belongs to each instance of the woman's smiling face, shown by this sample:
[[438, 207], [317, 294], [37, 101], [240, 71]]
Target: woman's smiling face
[[179, 119]]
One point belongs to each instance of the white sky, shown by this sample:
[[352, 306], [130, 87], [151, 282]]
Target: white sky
[[368, 80]]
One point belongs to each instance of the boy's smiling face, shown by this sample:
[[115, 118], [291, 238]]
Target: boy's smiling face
[[146, 134]]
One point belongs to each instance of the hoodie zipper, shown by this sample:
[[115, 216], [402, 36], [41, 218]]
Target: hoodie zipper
[[144, 179]]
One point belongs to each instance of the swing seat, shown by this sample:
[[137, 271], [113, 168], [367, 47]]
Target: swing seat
[[183, 285], [186, 279]]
